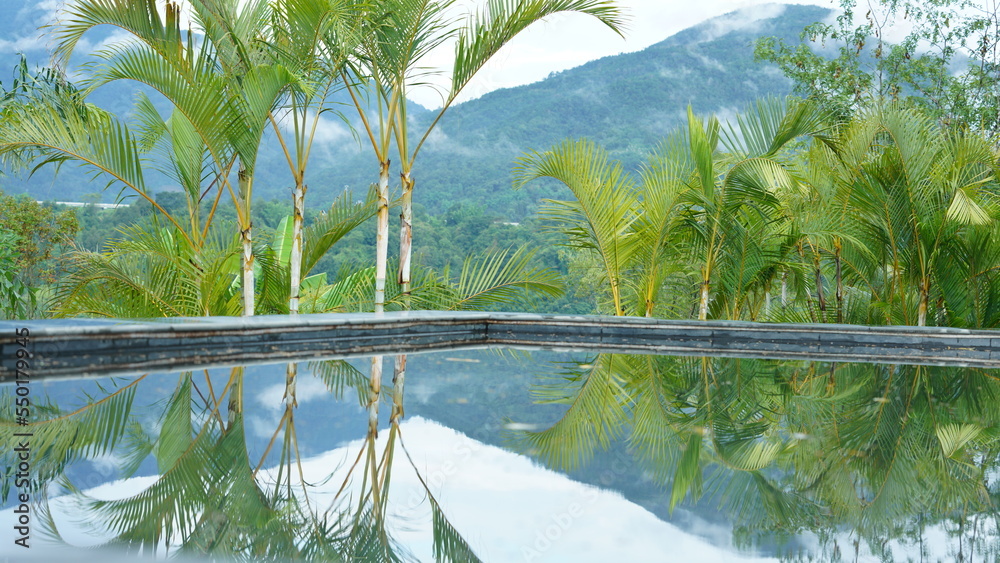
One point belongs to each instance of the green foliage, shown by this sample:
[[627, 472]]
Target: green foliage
[[946, 62], [39, 232], [16, 300]]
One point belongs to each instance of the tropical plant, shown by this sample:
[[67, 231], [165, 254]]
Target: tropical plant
[[698, 207], [221, 102], [911, 197], [477, 42]]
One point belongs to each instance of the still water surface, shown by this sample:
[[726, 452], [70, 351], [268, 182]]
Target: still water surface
[[514, 456]]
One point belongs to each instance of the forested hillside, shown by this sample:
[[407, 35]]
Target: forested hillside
[[625, 103]]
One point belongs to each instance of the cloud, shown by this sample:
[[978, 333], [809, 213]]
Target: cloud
[[745, 19], [23, 44]]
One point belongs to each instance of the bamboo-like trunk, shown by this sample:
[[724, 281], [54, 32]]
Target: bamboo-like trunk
[[406, 237], [397, 390], [246, 236], [295, 259], [784, 289], [819, 284], [809, 300], [382, 239], [703, 302]]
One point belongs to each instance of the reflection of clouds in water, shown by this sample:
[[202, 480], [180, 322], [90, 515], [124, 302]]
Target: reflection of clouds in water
[[504, 505], [420, 391], [507, 507], [510, 509], [262, 422], [307, 388]]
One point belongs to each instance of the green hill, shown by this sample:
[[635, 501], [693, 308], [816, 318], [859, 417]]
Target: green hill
[[625, 102]]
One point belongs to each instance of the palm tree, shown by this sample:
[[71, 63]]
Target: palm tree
[[916, 194], [224, 98], [601, 218], [733, 201], [478, 41], [391, 58], [718, 212]]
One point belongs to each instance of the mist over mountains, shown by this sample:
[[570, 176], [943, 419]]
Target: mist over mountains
[[626, 102]]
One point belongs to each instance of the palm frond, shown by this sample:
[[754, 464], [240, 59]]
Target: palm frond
[[500, 20]]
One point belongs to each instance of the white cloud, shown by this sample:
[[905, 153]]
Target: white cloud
[[23, 44]]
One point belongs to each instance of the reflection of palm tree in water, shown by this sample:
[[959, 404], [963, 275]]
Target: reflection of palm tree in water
[[883, 452], [210, 496]]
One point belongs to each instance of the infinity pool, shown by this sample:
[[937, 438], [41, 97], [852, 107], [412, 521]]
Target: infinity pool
[[508, 455]]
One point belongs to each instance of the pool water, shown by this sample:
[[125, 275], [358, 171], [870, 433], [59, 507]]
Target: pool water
[[506, 455]]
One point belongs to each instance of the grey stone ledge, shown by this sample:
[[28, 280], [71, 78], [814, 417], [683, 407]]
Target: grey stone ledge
[[96, 347]]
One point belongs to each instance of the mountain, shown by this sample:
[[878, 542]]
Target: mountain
[[626, 102]]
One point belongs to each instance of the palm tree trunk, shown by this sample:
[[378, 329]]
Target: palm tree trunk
[[406, 237], [809, 300], [925, 290], [784, 289], [819, 284], [382, 239], [248, 280], [840, 280], [246, 237], [295, 260], [703, 303]]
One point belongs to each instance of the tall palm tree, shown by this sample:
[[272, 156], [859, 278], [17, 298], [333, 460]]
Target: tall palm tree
[[225, 98], [391, 58], [478, 40]]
